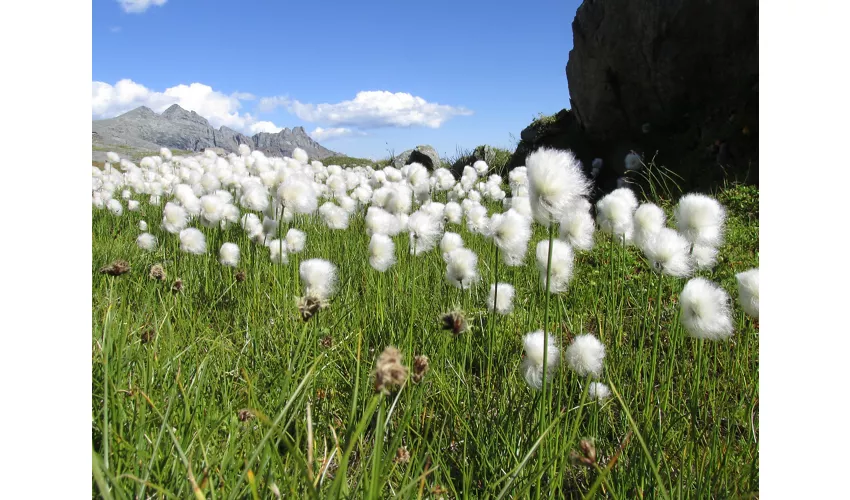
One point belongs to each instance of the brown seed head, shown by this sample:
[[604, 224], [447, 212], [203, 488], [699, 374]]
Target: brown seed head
[[402, 456], [587, 456], [117, 268], [327, 341], [147, 335], [245, 415], [309, 306], [454, 321], [177, 286], [240, 276], [157, 272], [420, 368], [389, 372]]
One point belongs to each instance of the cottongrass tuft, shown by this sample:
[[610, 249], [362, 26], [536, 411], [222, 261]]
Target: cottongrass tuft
[[649, 219], [450, 241], [668, 252], [511, 232], [503, 301], [462, 268], [748, 291], [146, 242], [577, 229], [192, 240], [703, 256], [562, 265], [705, 311], [598, 391], [228, 255], [278, 252], [555, 181], [615, 214], [115, 207], [143, 226], [296, 240], [532, 365], [381, 252], [389, 372], [319, 278], [585, 355], [700, 219]]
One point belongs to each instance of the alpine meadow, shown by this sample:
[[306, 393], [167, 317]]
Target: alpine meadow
[[277, 327]]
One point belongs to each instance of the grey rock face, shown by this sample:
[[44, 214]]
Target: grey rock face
[[424, 154], [178, 128]]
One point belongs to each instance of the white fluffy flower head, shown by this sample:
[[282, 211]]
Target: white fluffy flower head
[[535, 344], [319, 278], [228, 255], [585, 355], [381, 252], [700, 219], [501, 298], [192, 240], [748, 291], [705, 310], [555, 181]]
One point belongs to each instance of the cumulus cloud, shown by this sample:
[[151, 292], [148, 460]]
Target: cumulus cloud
[[139, 6], [378, 108], [219, 108], [264, 126], [268, 104], [326, 134]]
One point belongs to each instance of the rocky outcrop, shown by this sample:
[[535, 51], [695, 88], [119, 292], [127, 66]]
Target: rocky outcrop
[[637, 62], [678, 77], [426, 155], [177, 128]]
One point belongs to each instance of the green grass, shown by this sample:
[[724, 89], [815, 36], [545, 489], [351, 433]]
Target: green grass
[[347, 161], [171, 372]]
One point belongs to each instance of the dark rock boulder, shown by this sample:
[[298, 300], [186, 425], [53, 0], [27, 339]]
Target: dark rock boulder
[[673, 80], [426, 155]]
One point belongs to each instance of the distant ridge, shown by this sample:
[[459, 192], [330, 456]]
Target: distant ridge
[[176, 128]]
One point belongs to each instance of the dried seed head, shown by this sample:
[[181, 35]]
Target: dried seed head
[[587, 456], [455, 321], [389, 372], [245, 415], [147, 335], [327, 341], [309, 306], [157, 272], [402, 456], [420, 368], [240, 275], [177, 286], [117, 268]]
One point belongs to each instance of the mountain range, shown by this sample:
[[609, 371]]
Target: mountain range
[[143, 129]]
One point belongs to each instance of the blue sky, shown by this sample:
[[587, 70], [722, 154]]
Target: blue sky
[[361, 77]]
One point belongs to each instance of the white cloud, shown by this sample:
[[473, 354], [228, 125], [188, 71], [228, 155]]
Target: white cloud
[[378, 108], [264, 126], [268, 104], [219, 108], [326, 134], [139, 6], [115, 29]]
